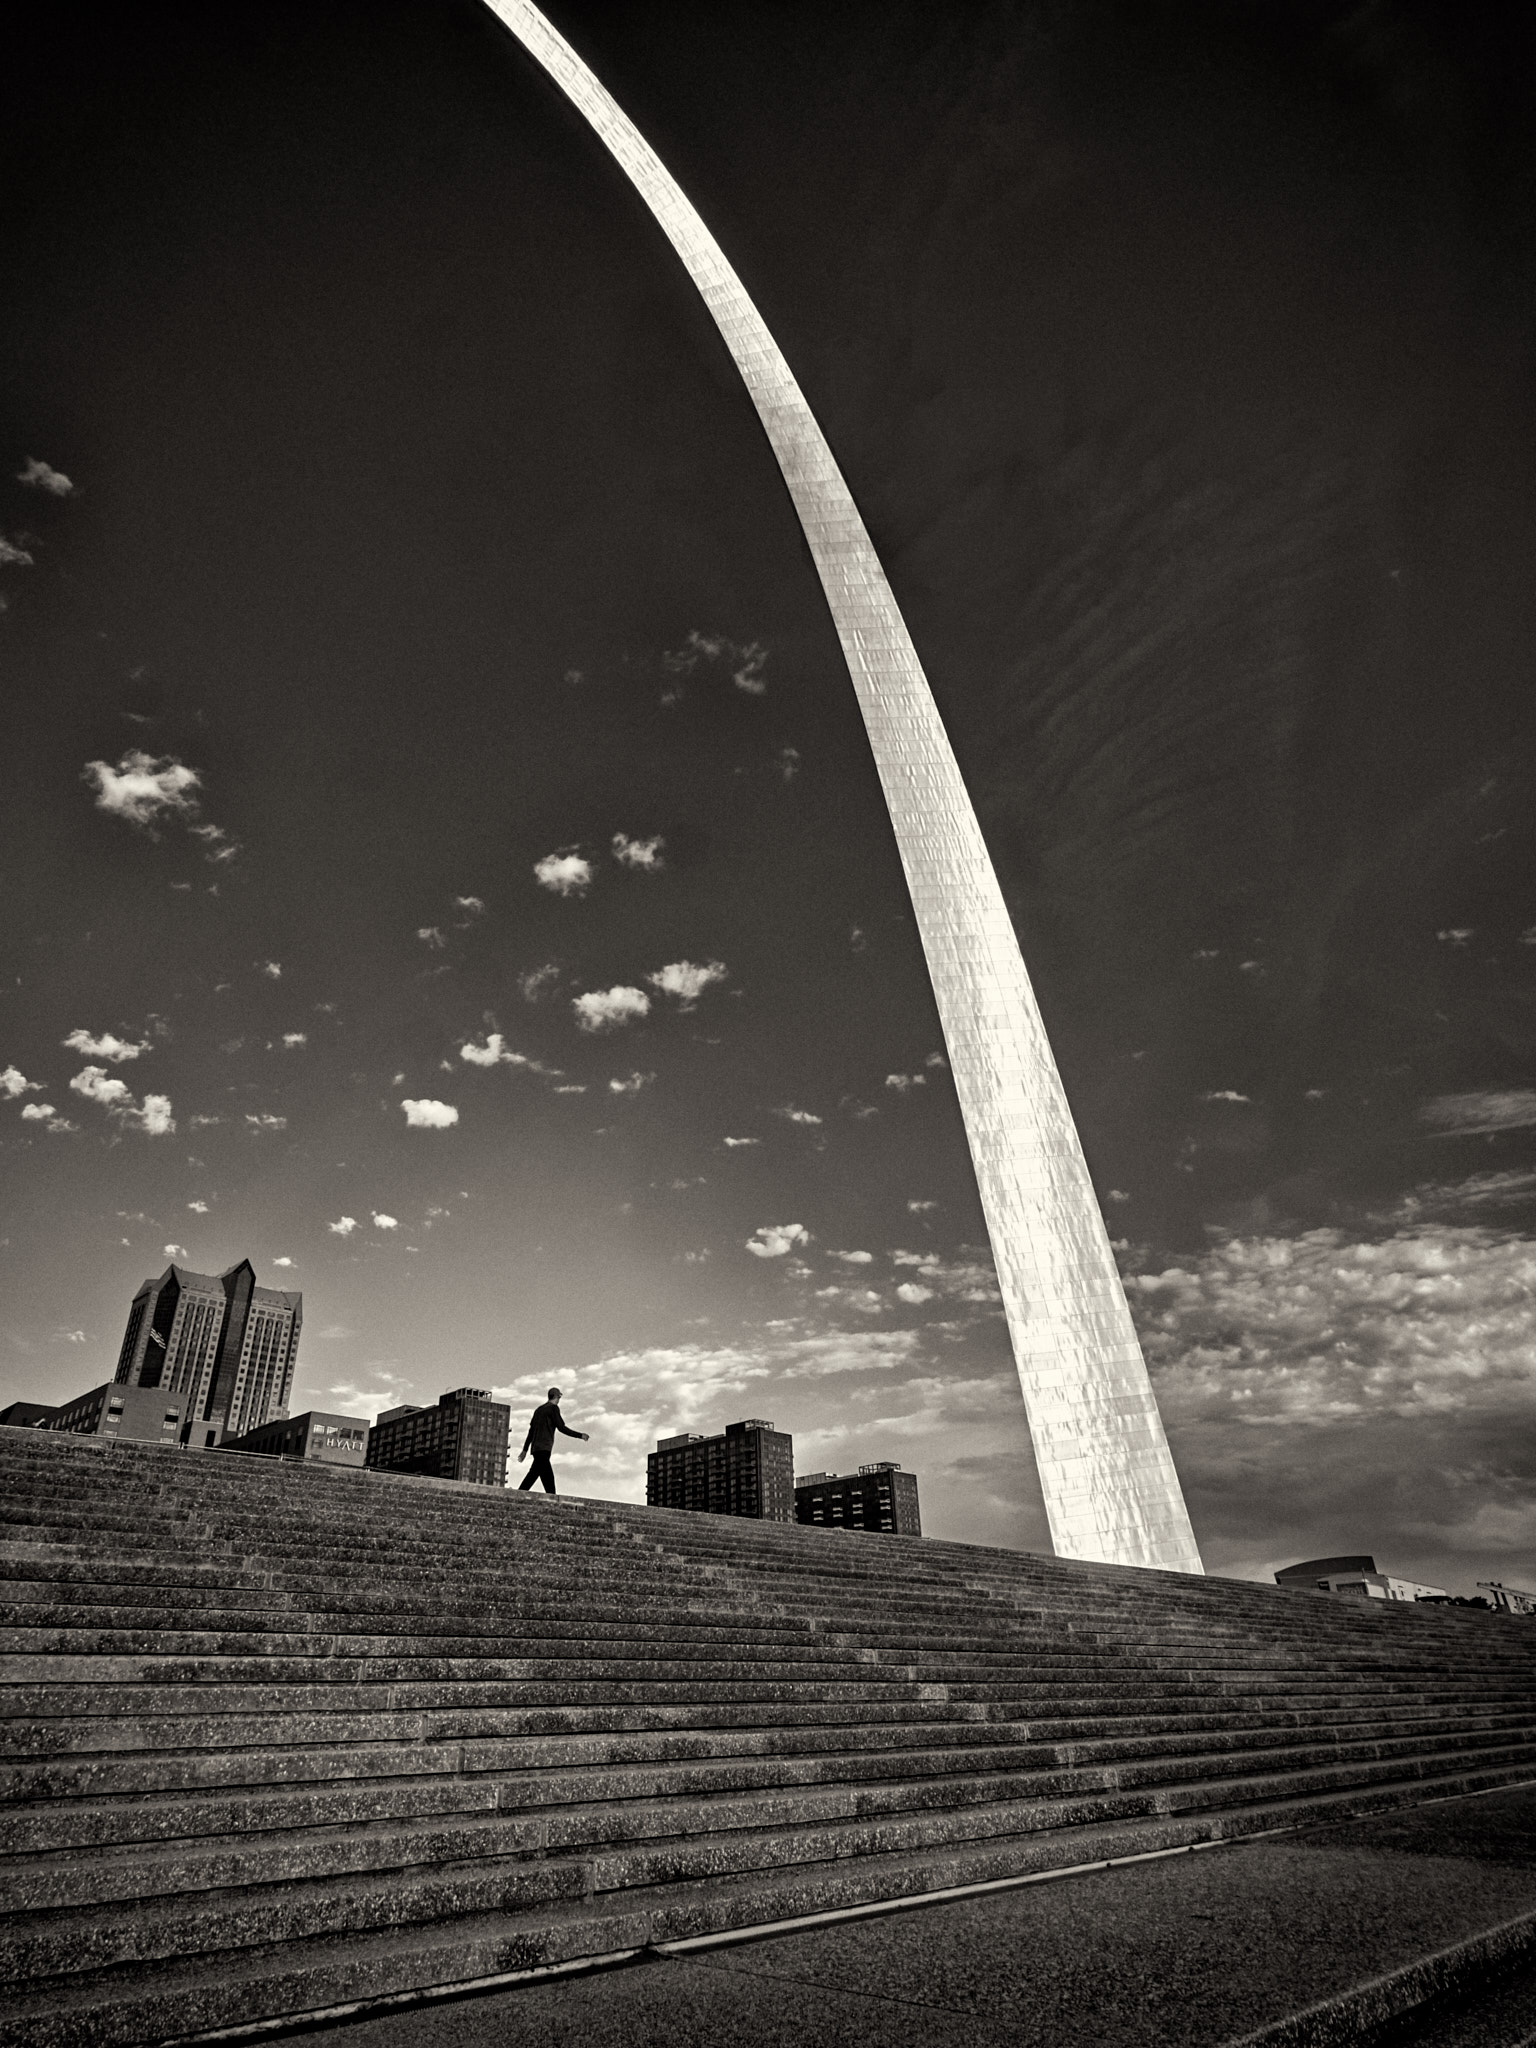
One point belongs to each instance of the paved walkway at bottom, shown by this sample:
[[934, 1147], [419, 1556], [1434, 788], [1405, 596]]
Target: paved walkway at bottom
[[1194, 1951]]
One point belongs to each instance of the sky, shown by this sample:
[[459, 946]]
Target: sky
[[442, 858]]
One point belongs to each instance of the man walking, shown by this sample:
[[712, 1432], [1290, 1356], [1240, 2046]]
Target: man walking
[[541, 1439]]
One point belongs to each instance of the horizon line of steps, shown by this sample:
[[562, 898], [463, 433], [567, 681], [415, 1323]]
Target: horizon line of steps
[[231, 1790]]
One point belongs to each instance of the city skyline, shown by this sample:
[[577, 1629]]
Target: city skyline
[[422, 700]]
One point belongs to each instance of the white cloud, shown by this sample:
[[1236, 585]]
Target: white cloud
[[475, 905], [45, 1113], [106, 1047], [538, 979], [901, 1083], [431, 935], [292, 1039], [607, 1009], [797, 1116], [1479, 1111], [342, 1227], [198, 1208], [143, 788], [74, 1336], [44, 477], [427, 1115], [572, 1088], [736, 1143], [1528, 936], [638, 853], [383, 1222], [632, 1086], [12, 556], [1224, 1095], [272, 969], [773, 1240], [1118, 1195], [748, 675], [935, 1059], [13, 1082], [264, 1120], [567, 874], [1458, 935], [964, 1279], [789, 762], [912, 1292], [854, 1258], [746, 661], [174, 1251], [687, 980], [97, 1085], [1479, 1191], [495, 1053], [284, 1262]]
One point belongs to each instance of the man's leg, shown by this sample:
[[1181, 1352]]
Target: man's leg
[[546, 1472], [532, 1473]]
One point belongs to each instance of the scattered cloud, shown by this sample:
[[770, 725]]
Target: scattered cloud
[[1118, 1195], [797, 1116], [73, 1336], [496, 1053], [789, 762], [964, 1279], [1528, 936], [44, 477], [1224, 1095], [1207, 953], [198, 1208], [12, 556], [1458, 935], [342, 1227], [687, 980], [427, 1115], [431, 935], [144, 788], [745, 662], [632, 1086], [608, 1009], [913, 1293], [284, 1262], [294, 1039], [1480, 1111], [566, 874], [921, 1208], [853, 1258], [773, 1240], [13, 1082], [538, 979], [734, 1144], [936, 1059], [572, 1088], [638, 853], [263, 1120], [901, 1084], [1479, 1191], [474, 905], [272, 969], [152, 1116], [383, 1222], [857, 940], [174, 1251], [106, 1047], [45, 1113]]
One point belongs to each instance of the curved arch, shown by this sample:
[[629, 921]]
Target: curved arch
[[1111, 1491]]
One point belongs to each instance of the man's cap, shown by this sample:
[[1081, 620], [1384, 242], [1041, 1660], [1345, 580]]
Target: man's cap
[[554, 1394]]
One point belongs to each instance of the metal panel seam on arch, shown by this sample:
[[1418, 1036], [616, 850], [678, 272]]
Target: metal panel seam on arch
[[1111, 1491]]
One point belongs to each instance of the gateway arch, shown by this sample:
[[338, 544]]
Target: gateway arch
[[1111, 1491]]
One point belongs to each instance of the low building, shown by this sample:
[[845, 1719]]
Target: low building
[[1508, 1599], [749, 1469], [146, 1415], [27, 1415], [322, 1439], [879, 1497], [463, 1437], [1356, 1577]]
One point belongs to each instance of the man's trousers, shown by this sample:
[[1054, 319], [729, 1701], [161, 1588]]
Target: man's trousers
[[540, 1468]]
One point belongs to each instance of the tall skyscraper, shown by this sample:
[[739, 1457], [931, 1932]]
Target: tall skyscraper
[[1110, 1488], [747, 1470], [222, 1344]]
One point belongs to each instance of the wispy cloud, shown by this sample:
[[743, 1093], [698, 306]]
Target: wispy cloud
[[853, 1258], [921, 1208], [13, 1082], [1478, 1192], [342, 1227], [773, 1240], [144, 788], [797, 1116], [608, 1009], [294, 1039], [496, 1053], [1480, 1111], [565, 874], [901, 1084], [264, 1120], [198, 1208], [632, 1085], [44, 1113], [744, 661], [272, 969], [735, 1144], [431, 935], [106, 1047], [44, 477], [13, 556], [644, 854], [687, 980], [474, 906], [1224, 1095], [424, 1114], [152, 1116], [537, 979]]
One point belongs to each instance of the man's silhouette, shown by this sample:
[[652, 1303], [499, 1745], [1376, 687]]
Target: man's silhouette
[[541, 1439]]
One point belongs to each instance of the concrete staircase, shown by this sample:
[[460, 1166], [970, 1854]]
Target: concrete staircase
[[280, 1736]]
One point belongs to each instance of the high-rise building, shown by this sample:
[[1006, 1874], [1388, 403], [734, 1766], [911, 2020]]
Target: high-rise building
[[137, 1414], [463, 1437], [223, 1346], [880, 1497], [1110, 1488], [320, 1439], [747, 1470]]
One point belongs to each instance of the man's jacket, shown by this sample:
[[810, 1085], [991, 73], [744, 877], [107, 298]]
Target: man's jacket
[[541, 1431]]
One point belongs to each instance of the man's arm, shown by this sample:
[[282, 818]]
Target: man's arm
[[560, 1424]]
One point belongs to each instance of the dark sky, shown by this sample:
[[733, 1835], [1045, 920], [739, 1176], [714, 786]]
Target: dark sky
[[1180, 358]]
